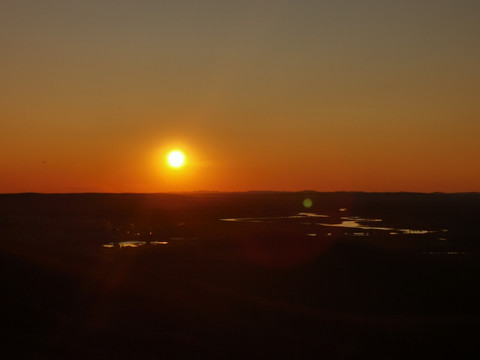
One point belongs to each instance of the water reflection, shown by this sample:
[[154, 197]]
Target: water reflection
[[137, 243], [347, 222], [355, 224], [358, 218], [302, 215], [131, 243], [158, 242]]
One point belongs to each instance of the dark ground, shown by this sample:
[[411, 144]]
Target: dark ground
[[238, 289]]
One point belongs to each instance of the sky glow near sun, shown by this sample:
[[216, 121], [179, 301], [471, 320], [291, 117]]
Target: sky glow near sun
[[260, 95]]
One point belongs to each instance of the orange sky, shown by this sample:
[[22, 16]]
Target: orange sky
[[261, 95]]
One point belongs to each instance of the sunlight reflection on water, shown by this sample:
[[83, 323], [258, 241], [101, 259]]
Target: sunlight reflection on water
[[356, 225], [159, 242], [132, 244], [348, 222], [302, 215], [137, 243]]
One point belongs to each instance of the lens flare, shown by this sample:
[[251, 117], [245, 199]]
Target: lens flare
[[307, 203]]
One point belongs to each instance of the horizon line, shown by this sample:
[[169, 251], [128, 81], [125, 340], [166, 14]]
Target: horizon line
[[193, 192]]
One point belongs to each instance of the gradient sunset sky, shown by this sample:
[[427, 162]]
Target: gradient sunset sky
[[260, 95]]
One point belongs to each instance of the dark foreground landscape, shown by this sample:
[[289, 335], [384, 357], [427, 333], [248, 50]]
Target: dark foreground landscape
[[252, 275]]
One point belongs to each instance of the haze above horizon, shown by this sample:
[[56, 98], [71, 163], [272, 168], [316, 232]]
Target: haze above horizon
[[377, 96]]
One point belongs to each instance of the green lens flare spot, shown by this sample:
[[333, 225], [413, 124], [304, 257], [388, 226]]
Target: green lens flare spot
[[307, 203]]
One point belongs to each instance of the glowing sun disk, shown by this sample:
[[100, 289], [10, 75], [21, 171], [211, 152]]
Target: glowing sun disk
[[176, 159]]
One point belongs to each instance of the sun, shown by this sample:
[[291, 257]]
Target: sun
[[176, 159]]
